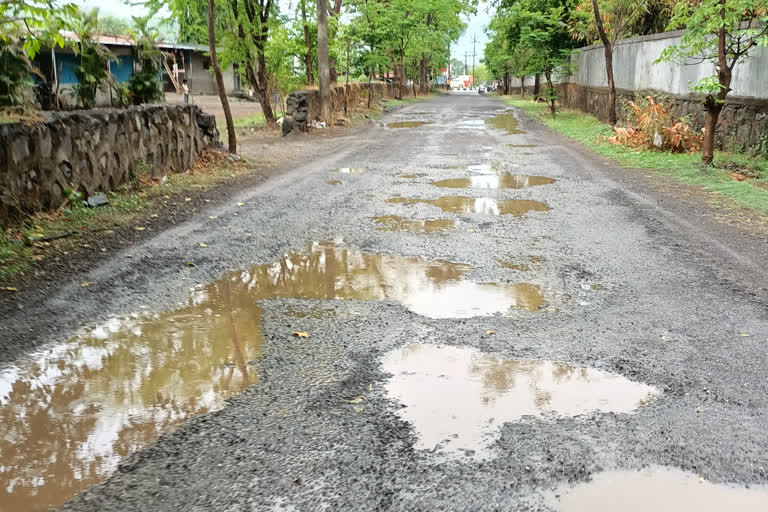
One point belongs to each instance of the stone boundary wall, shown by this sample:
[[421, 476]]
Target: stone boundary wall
[[303, 106], [743, 121], [96, 151]]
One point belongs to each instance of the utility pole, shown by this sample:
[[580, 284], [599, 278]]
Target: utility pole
[[474, 41], [465, 62]]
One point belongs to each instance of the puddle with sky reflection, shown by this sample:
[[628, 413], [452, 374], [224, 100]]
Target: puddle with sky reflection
[[495, 181], [481, 205]]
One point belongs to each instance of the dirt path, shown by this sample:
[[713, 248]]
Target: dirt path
[[489, 342]]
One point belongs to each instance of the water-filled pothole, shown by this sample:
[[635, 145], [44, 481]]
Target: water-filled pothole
[[658, 489], [408, 124], [507, 122], [334, 182], [409, 176], [482, 205], [395, 223], [349, 170], [495, 181], [457, 398], [75, 409]]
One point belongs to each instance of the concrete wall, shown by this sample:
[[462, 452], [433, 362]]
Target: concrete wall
[[743, 121], [201, 81], [95, 151]]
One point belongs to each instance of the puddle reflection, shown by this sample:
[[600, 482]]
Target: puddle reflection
[[482, 205], [507, 122], [495, 181], [659, 489], [458, 397]]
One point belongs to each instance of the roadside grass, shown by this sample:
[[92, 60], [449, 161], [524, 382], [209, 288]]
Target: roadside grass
[[134, 205], [687, 168]]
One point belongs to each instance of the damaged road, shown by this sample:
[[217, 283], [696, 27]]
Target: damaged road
[[453, 310]]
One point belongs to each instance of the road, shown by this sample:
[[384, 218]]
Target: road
[[470, 314]]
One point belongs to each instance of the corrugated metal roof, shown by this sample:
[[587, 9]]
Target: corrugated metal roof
[[112, 40]]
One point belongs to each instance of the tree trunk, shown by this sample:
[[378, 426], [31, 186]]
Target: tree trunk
[[551, 99], [522, 87], [232, 136], [715, 104], [413, 83], [323, 65], [710, 125], [258, 80], [608, 48], [536, 87], [308, 44], [507, 82]]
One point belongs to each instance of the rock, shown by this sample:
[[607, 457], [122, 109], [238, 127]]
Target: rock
[[343, 121], [97, 200], [288, 124]]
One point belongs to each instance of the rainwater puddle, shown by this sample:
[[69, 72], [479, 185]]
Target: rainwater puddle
[[73, 410], [395, 223], [457, 398], [495, 181], [523, 267], [507, 122], [409, 176], [482, 205], [408, 124], [350, 170], [658, 489], [521, 145], [334, 182]]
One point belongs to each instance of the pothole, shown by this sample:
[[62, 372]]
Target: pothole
[[495, 181], [660, 489], [507, 122], [409, 176], [395, 223], [482, 205], [457, 398], [408, 124], [334, 182]]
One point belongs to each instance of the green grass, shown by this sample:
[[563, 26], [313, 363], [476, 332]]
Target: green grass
[[686, 168]]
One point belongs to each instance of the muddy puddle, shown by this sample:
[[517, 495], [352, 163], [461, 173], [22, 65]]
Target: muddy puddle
[[495, 181], [73, 410], [395, 223], [482, 205], [658, 489], [457, 398], [408, 124], [409, 176], [349, 170], [334, 182], [507, 122]]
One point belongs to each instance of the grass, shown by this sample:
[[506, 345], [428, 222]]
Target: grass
[[687, 168], [134, 205]]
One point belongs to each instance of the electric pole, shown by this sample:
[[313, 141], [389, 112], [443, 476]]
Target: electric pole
[[474, 40], [465, 62]]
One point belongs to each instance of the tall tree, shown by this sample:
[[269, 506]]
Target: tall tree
[[323, 66], [307, 42], [220, 81], [723, 32]]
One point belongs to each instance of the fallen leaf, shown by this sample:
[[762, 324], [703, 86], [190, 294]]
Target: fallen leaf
[[207, 200], [86, 284], [140, 228], [11, 289], [166, 197], [745, 335], [490, 333], [190, 264], [212, 217], [240, 204], [187, 199], [203, 245], [154, 216], [38, 257], [356, 400], [300, 334]]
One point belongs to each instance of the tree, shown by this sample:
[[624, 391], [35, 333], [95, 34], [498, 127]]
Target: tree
[[307, 42], [92, 72], [232, 147], [323, 68], [144, 85], [723, 32], [457, 67]]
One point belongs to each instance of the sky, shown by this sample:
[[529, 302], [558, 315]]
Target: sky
[[475, 26]]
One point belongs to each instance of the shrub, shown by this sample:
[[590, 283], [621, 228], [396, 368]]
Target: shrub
[[655, 128]]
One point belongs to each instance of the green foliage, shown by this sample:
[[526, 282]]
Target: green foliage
[[14, 73], [144, 86], [92, 72]]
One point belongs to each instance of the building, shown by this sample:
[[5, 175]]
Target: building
[[189, 62]]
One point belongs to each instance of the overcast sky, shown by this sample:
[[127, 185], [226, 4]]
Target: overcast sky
[[475, 27]]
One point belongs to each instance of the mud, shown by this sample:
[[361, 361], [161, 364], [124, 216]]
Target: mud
[[408, 124], [483, 205]]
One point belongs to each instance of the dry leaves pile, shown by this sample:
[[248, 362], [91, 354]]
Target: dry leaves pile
[[655, 128]]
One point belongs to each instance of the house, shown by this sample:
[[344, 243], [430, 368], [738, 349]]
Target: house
[[187, 61]]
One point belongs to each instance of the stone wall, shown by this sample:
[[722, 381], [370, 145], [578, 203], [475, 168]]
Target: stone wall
[[96, 151], [744, 120], [303, 107]]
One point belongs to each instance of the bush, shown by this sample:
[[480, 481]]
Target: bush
[[654, 128]]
